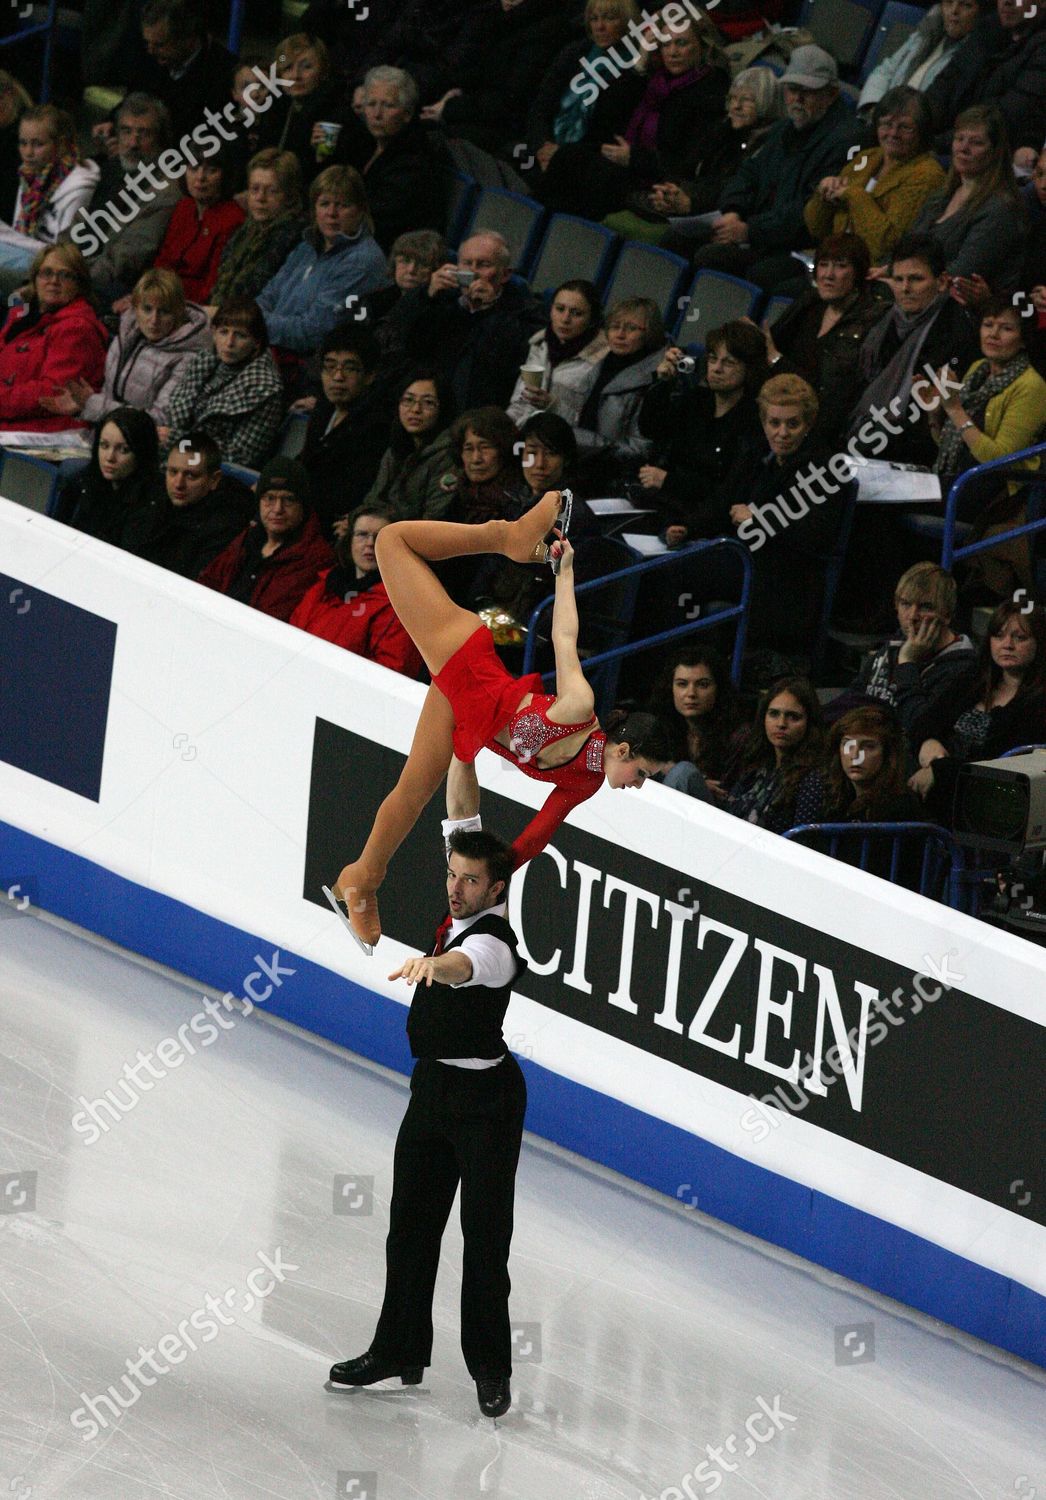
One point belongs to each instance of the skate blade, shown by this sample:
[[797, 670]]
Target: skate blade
[[368, 949]]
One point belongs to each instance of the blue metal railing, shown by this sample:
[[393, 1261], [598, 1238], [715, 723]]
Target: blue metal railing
[[944, 870], [629, 577], [236, 13], [46, 26], [950, 553]]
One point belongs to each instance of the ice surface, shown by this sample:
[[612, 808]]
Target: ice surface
[[645, 1331]]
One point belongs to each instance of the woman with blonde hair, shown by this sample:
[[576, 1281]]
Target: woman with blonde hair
[[53, 185], [977, 217], [146, 359], [54, 339], [272, 229], [313, 95], [686, 86]]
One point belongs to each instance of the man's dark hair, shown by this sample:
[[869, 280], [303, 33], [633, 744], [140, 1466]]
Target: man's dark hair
[[183, 17], [203, 444], [920, 247], [353, 338], [476, 843]]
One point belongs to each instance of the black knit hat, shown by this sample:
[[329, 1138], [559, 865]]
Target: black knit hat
[[286, 474]]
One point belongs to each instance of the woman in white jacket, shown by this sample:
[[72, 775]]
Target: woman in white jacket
[[54, 184], [562, 356]]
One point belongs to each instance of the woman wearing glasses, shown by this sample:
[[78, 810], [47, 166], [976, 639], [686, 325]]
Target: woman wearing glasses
[[417, 476], [53, 339]]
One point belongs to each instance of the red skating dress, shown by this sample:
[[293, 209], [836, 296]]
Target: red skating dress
[[484, 696]]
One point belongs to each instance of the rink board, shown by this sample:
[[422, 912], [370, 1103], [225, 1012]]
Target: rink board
[[180, 775]]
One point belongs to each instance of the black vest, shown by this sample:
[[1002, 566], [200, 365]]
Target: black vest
[[446, 1022]]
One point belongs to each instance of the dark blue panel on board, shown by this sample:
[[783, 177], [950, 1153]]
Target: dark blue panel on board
[[56, 672]]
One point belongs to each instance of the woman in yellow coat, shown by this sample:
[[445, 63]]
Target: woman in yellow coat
[[881, 190]]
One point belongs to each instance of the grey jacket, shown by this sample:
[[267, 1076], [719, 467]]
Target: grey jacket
[[143, 374], [617, 418], [988, 241]]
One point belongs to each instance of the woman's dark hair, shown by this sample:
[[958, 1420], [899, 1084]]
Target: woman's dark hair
[[849, 247], [553, 432], [718, 726], [139, 431], [758, 753], [989, 675], [226, 166], [494, 426], [997, 304], [644, 734], [864, 802], [590, 292], [245, 314], [400, 440], [745, 343], [902, 100]]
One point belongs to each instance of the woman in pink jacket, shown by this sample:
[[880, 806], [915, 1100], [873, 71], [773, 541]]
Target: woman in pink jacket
[[53, 339]]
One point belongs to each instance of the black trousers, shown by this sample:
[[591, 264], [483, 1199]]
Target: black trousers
[[462, 1125]]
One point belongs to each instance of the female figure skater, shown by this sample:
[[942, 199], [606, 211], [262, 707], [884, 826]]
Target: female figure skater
[[474, 701]]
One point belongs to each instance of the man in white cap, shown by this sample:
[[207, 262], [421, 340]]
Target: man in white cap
[[762, 205]]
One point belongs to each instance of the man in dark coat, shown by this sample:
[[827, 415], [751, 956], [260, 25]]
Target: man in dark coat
[[348, 430], [201, 512], [477, 334], [762, 207], [185, 68]]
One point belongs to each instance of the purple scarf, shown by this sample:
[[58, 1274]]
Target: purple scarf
[[642, 128]]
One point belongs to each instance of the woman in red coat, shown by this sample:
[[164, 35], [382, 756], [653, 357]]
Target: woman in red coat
[[53, 339], [272, 564], [199, 229], [349, 605]]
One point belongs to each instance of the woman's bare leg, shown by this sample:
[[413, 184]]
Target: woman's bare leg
[[430, 755], [404, 549]]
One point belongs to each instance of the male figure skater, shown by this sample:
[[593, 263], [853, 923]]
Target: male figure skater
[[464, 1123]]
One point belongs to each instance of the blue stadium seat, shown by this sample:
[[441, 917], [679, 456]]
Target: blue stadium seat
[[573, 248], [842, 27], [519, 219], [774, 308], [895, 26], [714, 298], [646, 271]]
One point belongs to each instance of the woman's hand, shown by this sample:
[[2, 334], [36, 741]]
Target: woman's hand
[[620, 153], [740, 513], [538, 398], [434, 112], [70, 401], [341, 528], [730, 230], [675, 536], [303, 403], [929, 751], [164, 435], [971, 291], [317, 136], [544, 154], [562, 549], [669, 198], [651, 477], [667, 368], [921, 782], [831, 189], [121, 305]]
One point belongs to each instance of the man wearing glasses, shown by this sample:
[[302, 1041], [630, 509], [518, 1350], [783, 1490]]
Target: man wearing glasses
[[348, 430]]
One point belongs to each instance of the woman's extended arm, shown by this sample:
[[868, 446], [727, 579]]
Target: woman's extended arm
[[574, 699]]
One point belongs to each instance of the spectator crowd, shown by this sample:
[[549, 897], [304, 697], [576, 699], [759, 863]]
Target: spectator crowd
[[238, 285]]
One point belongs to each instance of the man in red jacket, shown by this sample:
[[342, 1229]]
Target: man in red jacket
[[272, 564], [349, 605]]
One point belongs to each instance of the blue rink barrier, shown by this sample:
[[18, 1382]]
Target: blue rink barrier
[[832, 1234]]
